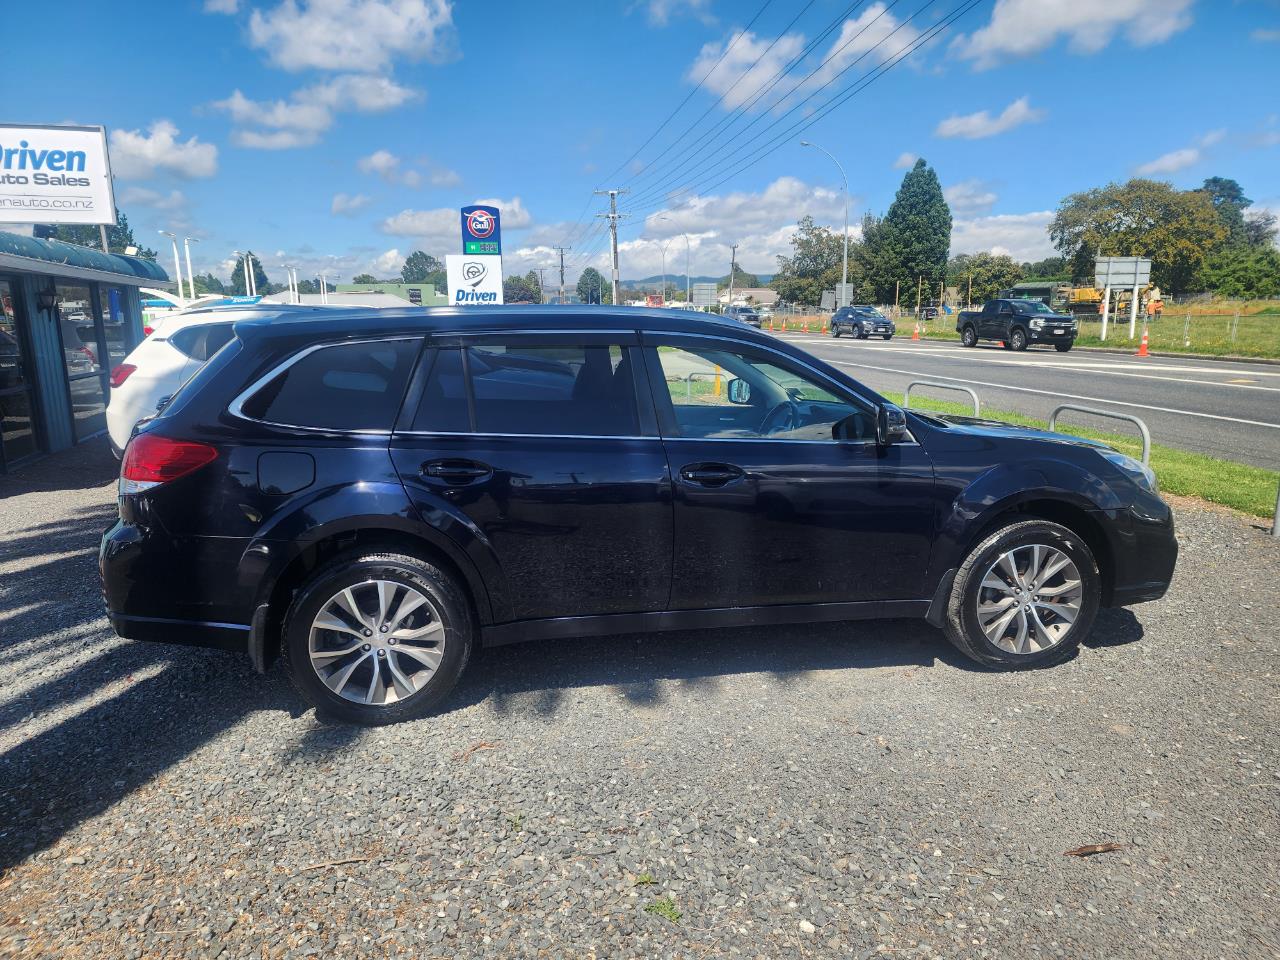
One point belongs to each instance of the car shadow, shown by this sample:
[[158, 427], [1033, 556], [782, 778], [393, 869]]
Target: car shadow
[[88, 465]]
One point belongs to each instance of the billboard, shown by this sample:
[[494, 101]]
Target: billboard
[[473, 280], [1122, 273], [481, 230], [704, 294], [55, 174]]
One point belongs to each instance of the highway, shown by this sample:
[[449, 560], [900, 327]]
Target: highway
[[1229, 410]]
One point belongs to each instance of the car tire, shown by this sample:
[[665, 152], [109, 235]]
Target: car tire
[[835, 331], [964, 624], [443, 602], [1062, 347], [887, 336], [1017, 339], [968, 337], [863, 335]]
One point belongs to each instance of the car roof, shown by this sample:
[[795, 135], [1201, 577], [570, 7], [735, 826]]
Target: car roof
[[331, 323]]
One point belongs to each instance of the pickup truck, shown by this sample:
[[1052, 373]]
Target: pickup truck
[[1017, 324]]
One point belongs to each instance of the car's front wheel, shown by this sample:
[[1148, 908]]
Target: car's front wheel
[[377, 638], [1062, 347], [1024, 597], [887, 336], [835, 331], [1018, 339], [968, 337]]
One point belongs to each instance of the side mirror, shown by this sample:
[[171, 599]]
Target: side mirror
[[891, 425], [739, 391]]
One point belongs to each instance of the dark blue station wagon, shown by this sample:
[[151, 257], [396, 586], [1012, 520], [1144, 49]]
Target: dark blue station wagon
[[367, 495]]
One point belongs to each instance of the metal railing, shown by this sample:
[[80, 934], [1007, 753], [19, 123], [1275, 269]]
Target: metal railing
[[906, 394], [1094, 411]]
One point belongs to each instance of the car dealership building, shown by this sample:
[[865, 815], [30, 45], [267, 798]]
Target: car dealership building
[[69, 315]]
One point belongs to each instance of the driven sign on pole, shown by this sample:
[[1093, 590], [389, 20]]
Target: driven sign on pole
[[481, 231], [55, 174], [473, 280]]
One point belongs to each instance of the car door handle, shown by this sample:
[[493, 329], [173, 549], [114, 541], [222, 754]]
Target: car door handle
[[710, 474], [456, 471]]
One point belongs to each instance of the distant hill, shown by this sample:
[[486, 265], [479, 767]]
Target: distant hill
[[678, 279]]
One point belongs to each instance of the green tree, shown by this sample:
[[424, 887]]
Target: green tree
[[1229, 202], [1260, 229], [989, 273], [1142, 218], [741, 279], [815, 250], [535, 285], [1050, 268], [1246, 272], [119, 237], [915, 237], [516, 289], [592, 287], [364, 278], [419, 267], [260, 279], [208, 283]]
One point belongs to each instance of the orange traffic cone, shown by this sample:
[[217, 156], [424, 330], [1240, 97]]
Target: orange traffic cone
[[1142, 347], [915, 334]]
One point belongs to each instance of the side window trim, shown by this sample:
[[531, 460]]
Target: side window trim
[[236, 407]]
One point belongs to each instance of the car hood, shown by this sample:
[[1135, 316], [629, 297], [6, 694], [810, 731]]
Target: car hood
[[1048, 317], [980, 427]]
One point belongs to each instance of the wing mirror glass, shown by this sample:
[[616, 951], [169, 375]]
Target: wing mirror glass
[[891, 424], [739, 391]]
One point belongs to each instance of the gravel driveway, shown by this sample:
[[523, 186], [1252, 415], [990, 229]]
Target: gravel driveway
[[838, 790]]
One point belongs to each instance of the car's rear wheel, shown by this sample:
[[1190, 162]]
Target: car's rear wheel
[[1024, 597], [968, 337], [1062, 347], [835, 331], [377, 638], [1018, 339]]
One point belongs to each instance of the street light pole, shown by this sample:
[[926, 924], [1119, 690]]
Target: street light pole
[[191, 277], [177, 264], [844, 273]]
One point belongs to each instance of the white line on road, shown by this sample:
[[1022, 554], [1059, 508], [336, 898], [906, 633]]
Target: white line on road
[[1064, 396]]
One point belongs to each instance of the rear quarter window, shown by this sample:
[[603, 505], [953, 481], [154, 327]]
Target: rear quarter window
[[348, 386]]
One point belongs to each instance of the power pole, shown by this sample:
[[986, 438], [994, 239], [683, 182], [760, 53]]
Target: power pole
[[542, 285], [733, 268], [613, 216], [919, 290], [562, 251]]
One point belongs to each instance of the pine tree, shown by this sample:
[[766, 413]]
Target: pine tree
[[915, 236]]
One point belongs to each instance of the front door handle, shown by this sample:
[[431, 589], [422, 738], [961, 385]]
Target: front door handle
[[710, 474], [456, 471]]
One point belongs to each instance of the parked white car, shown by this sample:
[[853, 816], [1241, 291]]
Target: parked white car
[[165, 360]]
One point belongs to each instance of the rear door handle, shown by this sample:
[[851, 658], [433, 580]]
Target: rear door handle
[[710, 474], [456, 471]]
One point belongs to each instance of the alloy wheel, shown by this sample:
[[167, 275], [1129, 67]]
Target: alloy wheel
[[1029, 599], [377, 643]]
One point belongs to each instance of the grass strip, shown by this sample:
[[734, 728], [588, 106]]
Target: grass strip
[[1249, 489]]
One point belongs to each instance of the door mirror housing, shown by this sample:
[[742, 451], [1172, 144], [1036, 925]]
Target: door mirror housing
[[739, 391], [891, 424]]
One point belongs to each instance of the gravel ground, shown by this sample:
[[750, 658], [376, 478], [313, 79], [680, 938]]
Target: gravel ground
[[842, 790]]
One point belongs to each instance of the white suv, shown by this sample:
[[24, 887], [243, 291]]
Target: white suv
[[164, 361]]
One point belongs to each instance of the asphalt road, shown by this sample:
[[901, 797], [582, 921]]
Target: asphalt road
[[1225, 409]]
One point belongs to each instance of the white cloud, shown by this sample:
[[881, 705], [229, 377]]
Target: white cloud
[[383, 163], [437, 230], [348, 204], [443, 177], [735, 77], [975, 126], [1023, 27], [660, 12], [1265, 36], [356, 35], [388, 265], [513, 215], [969, 197], [309, 111], [136, 155], [905, 161], [228, 7], [1023, 236], [1176, 160], [135, 196]]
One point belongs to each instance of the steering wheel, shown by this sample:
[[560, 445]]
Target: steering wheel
[[785, 409]]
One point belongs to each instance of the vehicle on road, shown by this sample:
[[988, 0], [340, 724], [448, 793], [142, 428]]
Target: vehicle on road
[[369, 495], [1017, 324], [747, 315], [861, 322]]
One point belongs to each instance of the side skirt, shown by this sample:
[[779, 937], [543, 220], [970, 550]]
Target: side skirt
[[559, 628]]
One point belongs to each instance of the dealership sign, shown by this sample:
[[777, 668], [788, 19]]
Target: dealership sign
[[54, 174], [481, 230], [473, 280]]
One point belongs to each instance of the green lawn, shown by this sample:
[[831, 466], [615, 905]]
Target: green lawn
[[1249, 489]]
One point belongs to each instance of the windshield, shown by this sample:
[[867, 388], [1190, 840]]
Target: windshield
[[1031, 306]]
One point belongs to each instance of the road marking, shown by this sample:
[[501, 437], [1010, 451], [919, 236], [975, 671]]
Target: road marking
[[1064, 396]]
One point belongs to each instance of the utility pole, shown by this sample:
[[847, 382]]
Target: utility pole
[[733, 267], [562, 251], [919, 292], [542, 284], [613, 216]]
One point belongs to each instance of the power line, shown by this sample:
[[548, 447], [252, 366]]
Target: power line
[[613, 216]]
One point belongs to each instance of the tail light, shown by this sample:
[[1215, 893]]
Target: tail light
[[151, 460], [148, 330], [120, 373]]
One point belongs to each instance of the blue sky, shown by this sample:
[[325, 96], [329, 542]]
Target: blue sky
[[342, 134]]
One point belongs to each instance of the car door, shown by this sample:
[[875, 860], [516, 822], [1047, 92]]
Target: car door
[[544, 446], [988, 320], [769, 507]]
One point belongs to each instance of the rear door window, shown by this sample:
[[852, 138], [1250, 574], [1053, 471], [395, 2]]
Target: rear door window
[[349, 386]]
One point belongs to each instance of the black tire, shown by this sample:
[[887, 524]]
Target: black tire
[[1062, 347], [863, 335], [835, 331], [968, 337], [887, 336], [1017, 339], [961, 623], [451, 607]]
